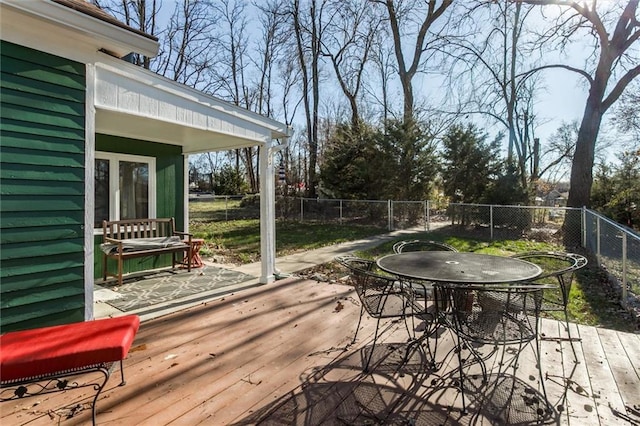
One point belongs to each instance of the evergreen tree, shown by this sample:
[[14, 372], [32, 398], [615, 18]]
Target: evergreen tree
[[410, 160], [470, 165], [352, 164]]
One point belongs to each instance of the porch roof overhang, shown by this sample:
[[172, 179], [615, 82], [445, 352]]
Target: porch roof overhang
[[80, 21], [136, 103]]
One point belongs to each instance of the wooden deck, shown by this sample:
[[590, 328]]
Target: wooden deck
[[279, 354]]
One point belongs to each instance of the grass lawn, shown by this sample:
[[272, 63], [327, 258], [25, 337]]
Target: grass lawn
[[593, 301]]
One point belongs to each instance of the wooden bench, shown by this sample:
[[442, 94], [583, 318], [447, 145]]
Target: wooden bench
[[126, 239], [40, 361]]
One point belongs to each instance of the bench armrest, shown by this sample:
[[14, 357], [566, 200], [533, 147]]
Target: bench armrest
[[184, 234], [112, 240]]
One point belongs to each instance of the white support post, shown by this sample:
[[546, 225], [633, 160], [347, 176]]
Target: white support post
[[268, 212], [267, 215], [185, 192], [89, 188]]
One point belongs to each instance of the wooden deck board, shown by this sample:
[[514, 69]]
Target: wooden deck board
[[552, 367], [626, 379], [280, 354], [605, 395], [578, 404]]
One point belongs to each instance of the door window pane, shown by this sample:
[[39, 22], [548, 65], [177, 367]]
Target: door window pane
[[101, 211], [134, 190]]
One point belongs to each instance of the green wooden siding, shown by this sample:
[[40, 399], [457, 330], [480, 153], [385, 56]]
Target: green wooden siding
[[42, 131], [169, 192]]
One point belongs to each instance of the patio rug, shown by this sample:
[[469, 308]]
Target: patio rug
[[166, 286]]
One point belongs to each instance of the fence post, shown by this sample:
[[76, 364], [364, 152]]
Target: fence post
[[624, 269], [598, 256], [584, 228], [491, 220], [390, 213], [427, 219], [341, 211], [301, 209]]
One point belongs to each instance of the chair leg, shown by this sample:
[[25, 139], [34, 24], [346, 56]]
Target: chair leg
[[460, 367], [566, 323], [373, 347], [358, 326], [538, 350]]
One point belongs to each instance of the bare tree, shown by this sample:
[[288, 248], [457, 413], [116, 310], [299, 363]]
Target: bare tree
[[189, 46], [615, 64], [230, 73], [382, 58], [400, 14], [348, 43], [269, 47], [308, 27], [491, 69], [627, 116]]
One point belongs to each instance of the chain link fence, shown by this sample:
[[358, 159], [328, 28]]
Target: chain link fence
[[541, 223], [616, 248], [390, 214]]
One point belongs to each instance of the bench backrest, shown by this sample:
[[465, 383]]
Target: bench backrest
[[138, 228]]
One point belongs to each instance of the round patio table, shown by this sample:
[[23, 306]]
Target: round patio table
[[456, 267]]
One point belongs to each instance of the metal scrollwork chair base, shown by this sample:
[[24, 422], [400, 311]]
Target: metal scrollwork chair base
[[490, 317], [558, 269], [58, 382], [384, 297]]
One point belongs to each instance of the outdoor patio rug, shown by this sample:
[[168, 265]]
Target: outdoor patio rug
[[165, 286]]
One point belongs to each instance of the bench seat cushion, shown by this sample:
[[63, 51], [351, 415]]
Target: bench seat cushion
[[141, 244], [47, 350]]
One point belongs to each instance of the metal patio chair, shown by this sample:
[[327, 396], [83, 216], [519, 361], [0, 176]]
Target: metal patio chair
[[487, 317], [383, 297], [421, 245], [558, 269]]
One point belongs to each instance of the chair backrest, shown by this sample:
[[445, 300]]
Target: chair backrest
[[421, 245], [381, 296], [359, 269], [355, 263], [557, 268], [492, 314]]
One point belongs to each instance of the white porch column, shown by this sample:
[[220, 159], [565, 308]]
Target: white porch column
[[89, 189], [267, 215]]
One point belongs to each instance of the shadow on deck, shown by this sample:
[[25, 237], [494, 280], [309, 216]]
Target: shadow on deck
[[280, 354]]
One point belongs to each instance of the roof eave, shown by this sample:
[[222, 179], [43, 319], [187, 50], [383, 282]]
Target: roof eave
[[115, 39]]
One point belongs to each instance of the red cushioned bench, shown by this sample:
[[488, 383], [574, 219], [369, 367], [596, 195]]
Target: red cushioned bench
[[53, 353]]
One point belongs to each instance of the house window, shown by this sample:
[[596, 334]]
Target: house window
[[124, 187]]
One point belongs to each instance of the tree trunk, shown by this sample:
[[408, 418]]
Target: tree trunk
[[582, 167]]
